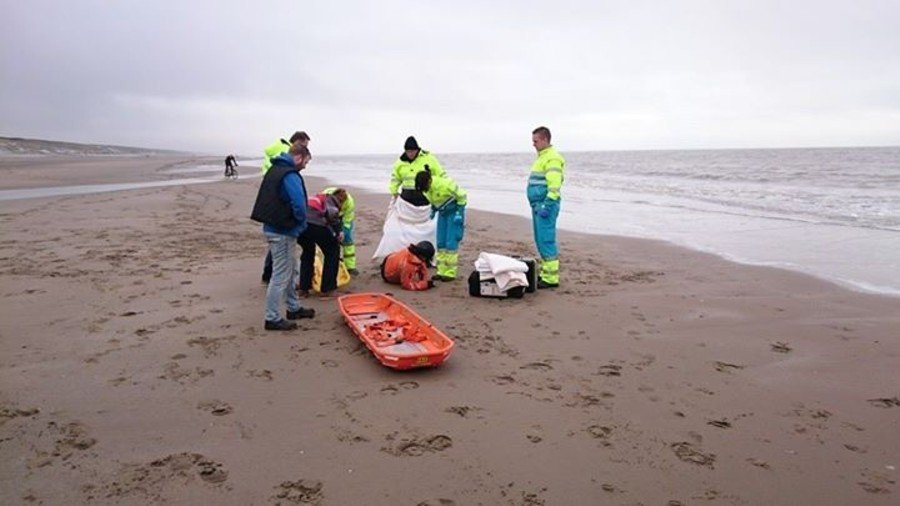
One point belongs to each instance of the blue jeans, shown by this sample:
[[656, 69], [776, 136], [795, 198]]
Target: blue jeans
[[281, 287]]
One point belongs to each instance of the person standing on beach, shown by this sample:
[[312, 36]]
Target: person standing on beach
[[281, 207], [411, 162], [544, 184], [300, 138], [282, 146]]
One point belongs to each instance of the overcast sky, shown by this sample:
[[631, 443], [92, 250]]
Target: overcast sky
[[232, 76]]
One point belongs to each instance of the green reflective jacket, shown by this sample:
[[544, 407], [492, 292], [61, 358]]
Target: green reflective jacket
[[444, 189], [348, 209], [403, 177], [273, 150], [548, 170]]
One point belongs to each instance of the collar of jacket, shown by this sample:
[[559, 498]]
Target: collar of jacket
[[407, 159], [284, 159]]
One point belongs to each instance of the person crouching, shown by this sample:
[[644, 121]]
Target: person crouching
[[409, 267]]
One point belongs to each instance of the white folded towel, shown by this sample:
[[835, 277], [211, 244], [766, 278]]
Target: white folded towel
[[506, 271]]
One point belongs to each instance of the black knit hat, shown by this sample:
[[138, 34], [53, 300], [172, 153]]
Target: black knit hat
[[411, 143], [424, 250]]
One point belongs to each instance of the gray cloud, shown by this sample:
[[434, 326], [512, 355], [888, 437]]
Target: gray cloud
[[467, 76]]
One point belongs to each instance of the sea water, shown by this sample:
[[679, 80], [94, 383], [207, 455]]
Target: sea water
[[831, 212]]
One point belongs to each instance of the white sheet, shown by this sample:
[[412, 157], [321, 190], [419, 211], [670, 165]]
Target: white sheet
[[506, 271], [406, 224]]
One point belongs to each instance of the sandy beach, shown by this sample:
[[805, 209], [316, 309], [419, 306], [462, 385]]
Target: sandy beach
[[134, 368]]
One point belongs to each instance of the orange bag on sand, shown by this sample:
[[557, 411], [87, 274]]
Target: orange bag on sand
[[343, 276]]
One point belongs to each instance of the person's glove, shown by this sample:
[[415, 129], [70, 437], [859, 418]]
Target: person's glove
[[457, 218], [543, 212]]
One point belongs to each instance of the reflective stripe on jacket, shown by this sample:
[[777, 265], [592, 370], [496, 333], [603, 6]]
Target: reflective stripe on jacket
[[443, 190], [403, 177], [546, 176]]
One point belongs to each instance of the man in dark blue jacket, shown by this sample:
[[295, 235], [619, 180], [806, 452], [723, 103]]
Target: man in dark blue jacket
[[281, 208]]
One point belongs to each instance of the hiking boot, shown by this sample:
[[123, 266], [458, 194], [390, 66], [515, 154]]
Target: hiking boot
[[265, 280], [280, 325], [303, 312], [543, 284]]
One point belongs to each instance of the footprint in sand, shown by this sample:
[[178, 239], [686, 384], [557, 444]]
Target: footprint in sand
[[780, 347], [9, 412], [437, 502], [875, 482], [759, 463], [418, 446], [600, 432], [215, 407], [884, 402], [149, 480], [726, 367], [609, 370], [721, 423], [687, 453], [263, 374], [299, 492], [392, 389], [462, 411], [503, 380], [537, 366]]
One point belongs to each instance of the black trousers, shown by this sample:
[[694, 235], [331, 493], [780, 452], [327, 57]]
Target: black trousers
[[323, 237]]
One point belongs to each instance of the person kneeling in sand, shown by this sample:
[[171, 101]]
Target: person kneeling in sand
[[409, 267]]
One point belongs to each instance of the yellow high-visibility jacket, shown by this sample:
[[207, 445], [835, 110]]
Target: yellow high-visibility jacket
[[403, 177]]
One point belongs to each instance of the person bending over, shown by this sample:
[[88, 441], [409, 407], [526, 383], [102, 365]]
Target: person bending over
[[348, 217], [448, 201], [323, 212]]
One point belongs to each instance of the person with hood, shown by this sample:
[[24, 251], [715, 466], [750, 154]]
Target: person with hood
[[409, 267], [411, 162], [448, 201], [281, 207], [323, 212]]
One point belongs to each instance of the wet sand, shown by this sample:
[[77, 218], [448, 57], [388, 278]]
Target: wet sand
[[134, 368]]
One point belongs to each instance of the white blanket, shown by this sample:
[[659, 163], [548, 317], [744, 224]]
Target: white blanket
[[406, 224], [506, 271]]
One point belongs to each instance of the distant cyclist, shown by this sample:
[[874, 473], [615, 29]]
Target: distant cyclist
[[230, 164]]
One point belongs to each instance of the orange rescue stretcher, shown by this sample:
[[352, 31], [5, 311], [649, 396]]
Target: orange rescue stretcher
[[397, 336]]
